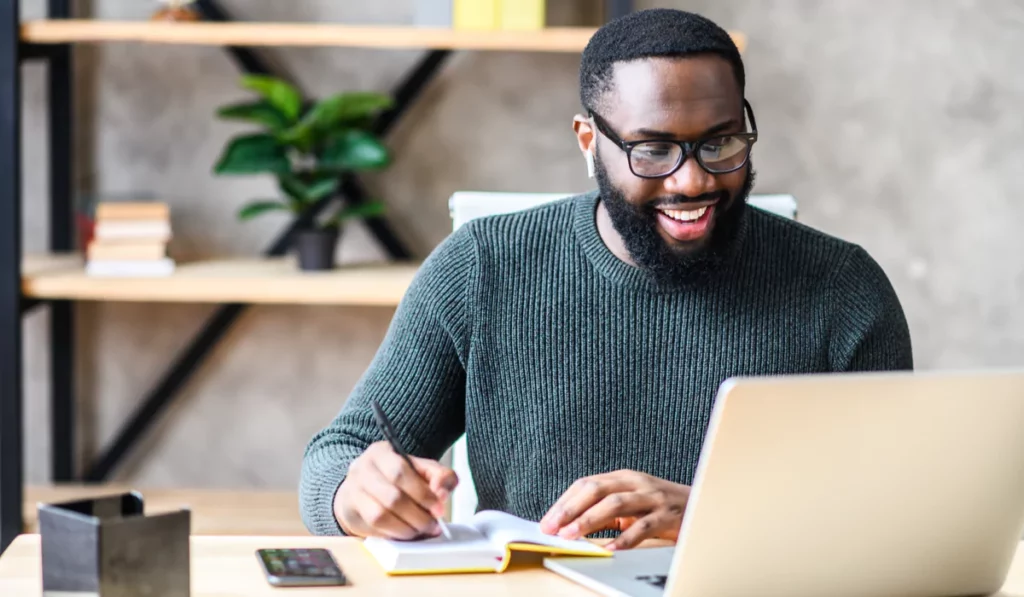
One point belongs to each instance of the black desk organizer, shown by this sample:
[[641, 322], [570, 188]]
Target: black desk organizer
[[107, 547]]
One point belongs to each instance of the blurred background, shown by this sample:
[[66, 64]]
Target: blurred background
[[895, 125]]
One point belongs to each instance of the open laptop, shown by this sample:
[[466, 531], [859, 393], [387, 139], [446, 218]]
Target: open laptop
[[865, 484]]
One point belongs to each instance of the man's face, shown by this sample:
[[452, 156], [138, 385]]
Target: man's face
[[673, 224]]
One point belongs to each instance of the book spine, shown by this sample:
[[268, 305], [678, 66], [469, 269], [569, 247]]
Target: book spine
[[132, 211], [523, 15], [126, 251], [131, 269], [475, 14], [614, 9], [140, 230], [433, 13]]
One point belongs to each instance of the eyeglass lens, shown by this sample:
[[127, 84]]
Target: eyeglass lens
[[721, 154]]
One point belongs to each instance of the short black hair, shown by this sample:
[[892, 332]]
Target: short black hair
[[652, 33]]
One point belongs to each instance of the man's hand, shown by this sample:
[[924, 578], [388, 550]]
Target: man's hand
[[383, 497], [639, 505]]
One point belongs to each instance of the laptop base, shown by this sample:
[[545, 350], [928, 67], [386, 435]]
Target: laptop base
[[637, 572]]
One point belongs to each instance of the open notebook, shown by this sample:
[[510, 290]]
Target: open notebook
[[484, 545]]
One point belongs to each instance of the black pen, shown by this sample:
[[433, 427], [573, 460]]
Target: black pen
[[389, 434]]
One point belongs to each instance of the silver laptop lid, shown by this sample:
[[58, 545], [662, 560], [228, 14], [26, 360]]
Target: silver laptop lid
[[857, 484]]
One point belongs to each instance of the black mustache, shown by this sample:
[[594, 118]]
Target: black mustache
[[674, 200]]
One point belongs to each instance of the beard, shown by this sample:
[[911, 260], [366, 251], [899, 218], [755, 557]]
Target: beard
[[665, 265]]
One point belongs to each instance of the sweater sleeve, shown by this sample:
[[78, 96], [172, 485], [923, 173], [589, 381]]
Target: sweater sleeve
[[417, 375], [869, 331]]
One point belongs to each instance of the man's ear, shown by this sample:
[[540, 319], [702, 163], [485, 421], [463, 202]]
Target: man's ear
[[586, 139], [584, 133]]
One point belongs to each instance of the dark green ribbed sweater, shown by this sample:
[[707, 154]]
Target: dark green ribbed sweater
[[560, 361]]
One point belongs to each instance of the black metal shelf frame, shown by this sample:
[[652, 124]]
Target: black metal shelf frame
[[59, 60]]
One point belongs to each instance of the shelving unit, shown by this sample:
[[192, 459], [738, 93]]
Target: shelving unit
[[57, 279]]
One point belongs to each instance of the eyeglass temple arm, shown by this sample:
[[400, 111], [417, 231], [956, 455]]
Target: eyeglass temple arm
[[750, 113]]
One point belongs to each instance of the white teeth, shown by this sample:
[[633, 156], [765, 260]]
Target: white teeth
[[685, 216]]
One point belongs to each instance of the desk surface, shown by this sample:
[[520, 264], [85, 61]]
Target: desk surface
[[227, 567]]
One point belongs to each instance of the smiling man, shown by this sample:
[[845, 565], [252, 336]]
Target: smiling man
[[580, 345]]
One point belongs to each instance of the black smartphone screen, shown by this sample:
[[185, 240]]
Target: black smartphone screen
[[300, 567]]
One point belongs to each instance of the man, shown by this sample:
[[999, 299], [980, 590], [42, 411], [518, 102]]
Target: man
[[580, 344]]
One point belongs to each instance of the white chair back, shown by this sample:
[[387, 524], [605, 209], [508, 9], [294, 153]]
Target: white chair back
[[467, 205]]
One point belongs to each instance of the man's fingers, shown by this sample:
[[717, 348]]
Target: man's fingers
[[411, 482], [551, 521], [384, 496], [440, 479], [603, 514], [345, 513], [580, 497], [381, 521], [398, 503], [642, 529]]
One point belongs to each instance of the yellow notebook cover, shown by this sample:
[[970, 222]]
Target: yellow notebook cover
[[485, 544], [523, 15], [475, 14]]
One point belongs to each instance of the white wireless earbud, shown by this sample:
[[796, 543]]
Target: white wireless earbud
[[590, 163]]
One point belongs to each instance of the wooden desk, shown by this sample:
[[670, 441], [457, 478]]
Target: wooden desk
[[227, 567]]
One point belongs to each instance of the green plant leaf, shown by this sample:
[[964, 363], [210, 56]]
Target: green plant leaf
[[293, 187], [260, 207], [347, 108], [301, 135], [324, 118], [363, 210], [308, 191], [252, 154], [322, 187], [281, 94], [261, 112], [355, 150]]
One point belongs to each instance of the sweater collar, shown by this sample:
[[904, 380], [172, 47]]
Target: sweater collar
[[620, 272]]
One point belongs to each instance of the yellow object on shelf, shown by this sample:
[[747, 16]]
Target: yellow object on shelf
[[523, 15], [476, 14]]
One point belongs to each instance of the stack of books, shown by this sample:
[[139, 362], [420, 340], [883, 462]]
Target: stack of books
[[516, 15], [509, 15], [130, 239]]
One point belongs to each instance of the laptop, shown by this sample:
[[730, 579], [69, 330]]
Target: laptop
[[866, 484]]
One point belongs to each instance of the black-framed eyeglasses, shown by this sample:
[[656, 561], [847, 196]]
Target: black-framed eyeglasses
[[719, 154]]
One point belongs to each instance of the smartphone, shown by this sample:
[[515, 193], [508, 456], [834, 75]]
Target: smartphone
[[300, 567]]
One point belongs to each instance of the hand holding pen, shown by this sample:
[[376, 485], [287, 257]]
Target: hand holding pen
[[388, 493]]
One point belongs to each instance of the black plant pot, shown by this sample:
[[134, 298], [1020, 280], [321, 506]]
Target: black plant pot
[[315, 248]]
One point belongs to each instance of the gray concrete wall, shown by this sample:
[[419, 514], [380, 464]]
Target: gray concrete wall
[[896, 127]]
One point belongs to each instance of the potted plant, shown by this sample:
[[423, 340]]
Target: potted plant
[[177, 11], [307, 149]]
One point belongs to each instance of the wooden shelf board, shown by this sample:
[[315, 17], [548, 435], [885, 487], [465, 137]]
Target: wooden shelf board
[[258, 281], [551, 39], [568, 39]]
